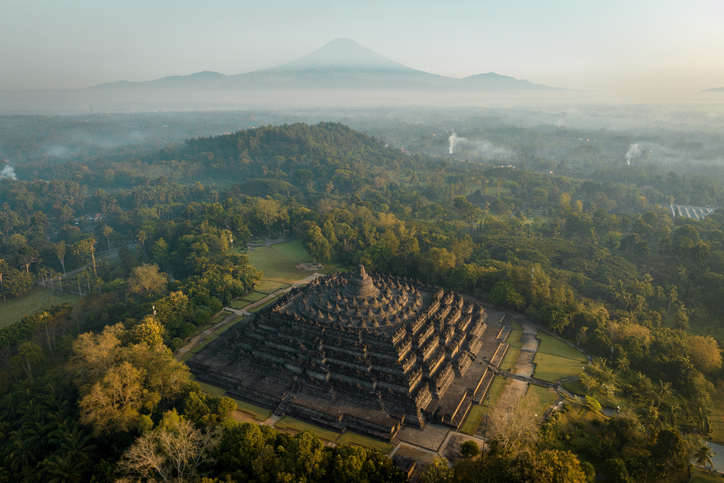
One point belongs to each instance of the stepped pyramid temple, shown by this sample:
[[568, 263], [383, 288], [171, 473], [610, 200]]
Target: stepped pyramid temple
[[365, 352]]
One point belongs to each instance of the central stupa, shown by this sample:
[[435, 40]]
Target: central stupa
[[361, 351]]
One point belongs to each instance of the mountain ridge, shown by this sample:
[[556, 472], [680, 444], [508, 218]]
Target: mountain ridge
[[339, 64]]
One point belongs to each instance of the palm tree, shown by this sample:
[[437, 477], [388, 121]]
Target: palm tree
[[702, 457], [141, 239]]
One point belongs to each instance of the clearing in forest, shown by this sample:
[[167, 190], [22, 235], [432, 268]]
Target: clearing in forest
[[12, 310], [279, 262]]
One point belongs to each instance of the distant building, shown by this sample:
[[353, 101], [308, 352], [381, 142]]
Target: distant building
[[479, 199]]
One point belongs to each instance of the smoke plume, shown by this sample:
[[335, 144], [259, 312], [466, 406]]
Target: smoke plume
[[8, 172], [481, 146], [633, 152]]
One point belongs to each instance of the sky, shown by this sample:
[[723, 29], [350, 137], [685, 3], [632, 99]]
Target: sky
[[632, 46]]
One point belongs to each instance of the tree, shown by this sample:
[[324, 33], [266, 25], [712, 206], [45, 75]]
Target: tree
[[145, 280], [173, 452], [114, 403], [59, 249], [149, 331], [514, 425], [29, 354], [268, 211], [505, 295], [4, 268], [469, 449], [107, 232], [669, 452], [702, 457], [438, 471], [704, 353], [160, 251]]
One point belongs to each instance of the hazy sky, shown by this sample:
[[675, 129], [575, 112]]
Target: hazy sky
[[611, 45]]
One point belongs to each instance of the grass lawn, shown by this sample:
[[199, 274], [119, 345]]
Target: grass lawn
[[513, 339], [545, 397], [12, 310], [269, 286], [496, 388], [278, 262], [515, 325], [717, 421], [475, 416], [701, 477], [213, 390], [218, 318], [511, 356], [354, 438], [187, 355], [253, 296], [239, 304], [260, 414], [551, 345], [287, 422], [209, 338], [258, 308], [551, 368]]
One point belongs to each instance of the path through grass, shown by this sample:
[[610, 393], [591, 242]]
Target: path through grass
[[12, 310]]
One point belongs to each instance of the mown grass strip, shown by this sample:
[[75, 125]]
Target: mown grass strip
[[511, 356], [257, 412], [288, 422], [475, 416], [213, 390], [353, 438]]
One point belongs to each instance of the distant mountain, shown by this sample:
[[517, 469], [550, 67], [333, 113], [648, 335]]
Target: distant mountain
[[716, 89], [492, 80], [341, 64]]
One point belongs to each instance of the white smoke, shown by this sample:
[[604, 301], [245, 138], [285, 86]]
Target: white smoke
[[481, 146], [8, 172], [454, 139], [633, 152]]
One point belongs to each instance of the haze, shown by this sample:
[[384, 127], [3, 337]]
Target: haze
[[671, 49]]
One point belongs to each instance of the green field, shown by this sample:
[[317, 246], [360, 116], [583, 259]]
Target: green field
[[260, 414], [12, 310], [717, 421], [511, 357], [288, 422], [551, 345], [219, 318], [269, 286], [475, 416], [545, 397], [253, 296], [239, 304], [278, 262], [513, 339], [213, 390], [701, 477], [552, 368], [515, 325], [359, 440]]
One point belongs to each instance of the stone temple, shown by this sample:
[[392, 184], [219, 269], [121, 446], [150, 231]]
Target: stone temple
[[358, 351]]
